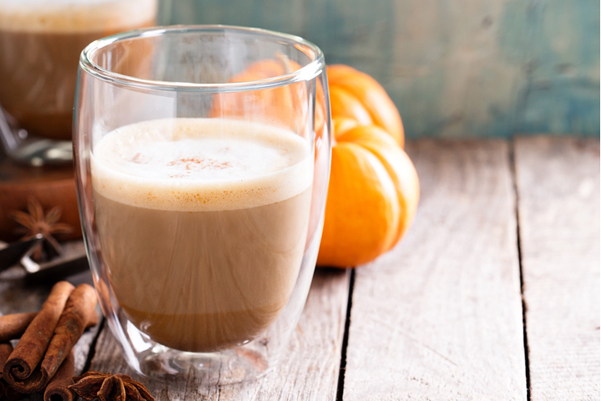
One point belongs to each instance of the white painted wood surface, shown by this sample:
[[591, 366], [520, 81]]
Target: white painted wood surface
[[440, 317], [309, 371], [558, 187]]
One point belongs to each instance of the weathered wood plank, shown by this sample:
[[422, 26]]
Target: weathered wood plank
[[308, 372], [558, 199], [440, 317]]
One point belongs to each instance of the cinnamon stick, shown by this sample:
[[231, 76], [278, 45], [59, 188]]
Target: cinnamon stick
[[79, 313], [57, 388], [11, 394], [7, 392], [13, 326], [5, 350], [19, 368]]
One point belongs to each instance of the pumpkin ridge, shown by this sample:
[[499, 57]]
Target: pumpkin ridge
[[375, 99], [406, 207], [345, 104], [367, 224], [399, 167]]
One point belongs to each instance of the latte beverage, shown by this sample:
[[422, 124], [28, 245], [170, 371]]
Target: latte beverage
[[40, 44], [202, 226]]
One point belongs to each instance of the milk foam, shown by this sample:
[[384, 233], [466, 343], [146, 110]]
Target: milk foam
[[74, 15], [200, 165]]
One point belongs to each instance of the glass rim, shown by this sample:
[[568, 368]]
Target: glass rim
[[305, 73]]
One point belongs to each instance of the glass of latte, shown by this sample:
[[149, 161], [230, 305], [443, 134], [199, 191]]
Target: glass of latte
[[202, 157], [40, 43]]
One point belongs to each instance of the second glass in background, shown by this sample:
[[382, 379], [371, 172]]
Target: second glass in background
[[40, 44]]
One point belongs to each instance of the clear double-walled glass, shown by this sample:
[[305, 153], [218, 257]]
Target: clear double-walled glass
[[202, 157]]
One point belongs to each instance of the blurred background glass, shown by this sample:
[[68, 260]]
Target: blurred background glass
[[40, 43]]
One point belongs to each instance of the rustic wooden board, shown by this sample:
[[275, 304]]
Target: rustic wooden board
[[309, 372], [558, 186], [440, 317]]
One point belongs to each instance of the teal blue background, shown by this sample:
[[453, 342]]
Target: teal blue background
[[454, 68]]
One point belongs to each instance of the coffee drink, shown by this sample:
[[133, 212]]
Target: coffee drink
[[202, 226], [40, 43]]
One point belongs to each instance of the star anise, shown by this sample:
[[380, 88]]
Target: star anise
[[36, 222], [109, 387]]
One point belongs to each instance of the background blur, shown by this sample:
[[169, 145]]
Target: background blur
[[454, 68]]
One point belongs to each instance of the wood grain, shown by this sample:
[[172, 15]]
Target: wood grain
[[558, 186], [439, 317], [308, 372]]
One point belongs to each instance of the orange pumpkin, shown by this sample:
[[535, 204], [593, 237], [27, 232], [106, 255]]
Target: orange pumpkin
[[372, 198], [374, 188], [356, 95]]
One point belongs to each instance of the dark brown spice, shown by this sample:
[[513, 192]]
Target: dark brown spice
[[20, 368], [58, 387], [5, 350], [78, 314], [36, 222], [7, 392], [109, 387], [195, 163], [13, 326]]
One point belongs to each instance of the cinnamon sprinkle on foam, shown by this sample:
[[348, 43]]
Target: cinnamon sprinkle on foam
[[201, 164]]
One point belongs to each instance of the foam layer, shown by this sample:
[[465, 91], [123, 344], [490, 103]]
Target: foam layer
[[200, 165], [75, 15]]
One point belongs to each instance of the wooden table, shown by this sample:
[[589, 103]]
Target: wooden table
[[492, 295]]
